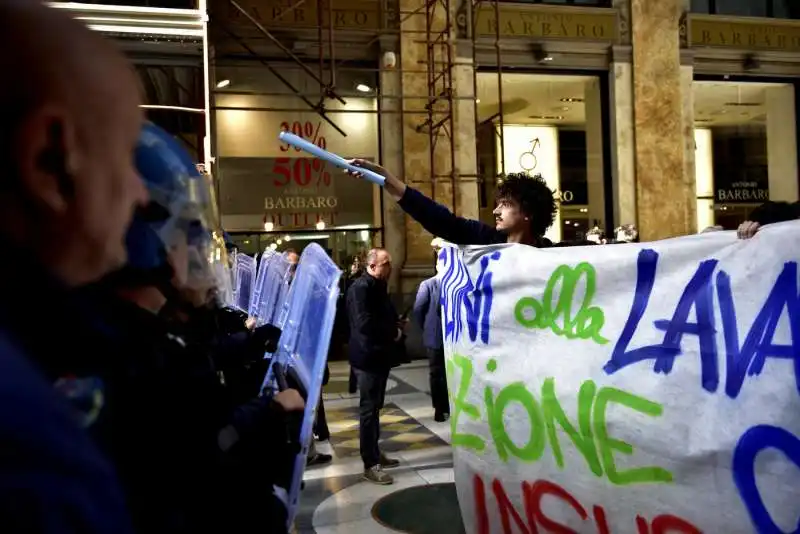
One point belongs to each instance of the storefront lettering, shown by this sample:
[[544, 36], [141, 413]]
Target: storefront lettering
[[519, 23], [745, 35], [564, 196], [301, 220], [300, 203], [742, 191], [308, 17], [742, 195]]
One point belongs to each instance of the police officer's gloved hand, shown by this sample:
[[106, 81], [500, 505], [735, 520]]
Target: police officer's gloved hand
[[289, 401], [266, 337]]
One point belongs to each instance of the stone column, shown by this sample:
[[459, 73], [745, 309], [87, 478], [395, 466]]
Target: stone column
[[416, 145], [664, 183], [594, 154], [623, 153], [391, 125], [439, 176], [466, 171]]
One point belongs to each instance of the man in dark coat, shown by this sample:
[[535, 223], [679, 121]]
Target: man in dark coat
[[375, 330]]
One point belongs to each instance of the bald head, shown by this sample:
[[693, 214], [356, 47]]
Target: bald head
[[68, 137], [379, 263]]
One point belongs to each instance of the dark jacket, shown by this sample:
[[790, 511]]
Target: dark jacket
[[165, 408], [53, 479], [373, 325], [427, 313], [441, 222]]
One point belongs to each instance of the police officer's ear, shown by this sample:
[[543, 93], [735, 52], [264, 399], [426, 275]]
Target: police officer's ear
[[47, 159]]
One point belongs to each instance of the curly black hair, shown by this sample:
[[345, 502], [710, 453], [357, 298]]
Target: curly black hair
[[534, 198]]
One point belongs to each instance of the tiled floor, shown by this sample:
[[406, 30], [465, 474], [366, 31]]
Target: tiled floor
[[335, 498]]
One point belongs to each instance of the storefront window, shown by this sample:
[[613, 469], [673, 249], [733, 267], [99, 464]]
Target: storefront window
[[551, 125], [782, 9], [266, 185], [745, 149]]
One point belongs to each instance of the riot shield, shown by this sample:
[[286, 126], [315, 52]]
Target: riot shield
[[262, 267], [306, 322], [245, 267], [271, 289]]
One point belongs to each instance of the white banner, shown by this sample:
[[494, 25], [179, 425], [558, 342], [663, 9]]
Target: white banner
[[647, 388]]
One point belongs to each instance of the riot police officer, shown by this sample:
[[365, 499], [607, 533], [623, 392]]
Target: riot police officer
[[169, 424]]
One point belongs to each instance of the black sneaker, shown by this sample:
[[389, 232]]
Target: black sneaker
[[441, 417], [319, 459]]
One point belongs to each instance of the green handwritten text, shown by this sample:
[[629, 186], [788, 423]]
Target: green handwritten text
[[590, 436], [460, 404], [587, 322]]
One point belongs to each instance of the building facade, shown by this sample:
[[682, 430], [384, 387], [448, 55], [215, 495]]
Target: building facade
[[674, 115]]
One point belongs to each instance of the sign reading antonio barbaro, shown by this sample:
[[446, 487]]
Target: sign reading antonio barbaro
[[743, 193], [291, 193]]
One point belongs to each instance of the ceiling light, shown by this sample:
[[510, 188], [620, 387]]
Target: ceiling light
[[477, 100], [321, 225], [572, 100], [363, 88], [269, 226], [223, 83]]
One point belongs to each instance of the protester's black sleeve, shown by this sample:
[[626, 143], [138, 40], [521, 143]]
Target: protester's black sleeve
[[441, 222]]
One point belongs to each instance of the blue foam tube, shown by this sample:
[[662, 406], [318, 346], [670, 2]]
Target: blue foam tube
[[339, 161]]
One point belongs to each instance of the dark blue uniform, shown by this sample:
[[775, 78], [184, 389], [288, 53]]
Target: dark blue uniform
[[52, 477]]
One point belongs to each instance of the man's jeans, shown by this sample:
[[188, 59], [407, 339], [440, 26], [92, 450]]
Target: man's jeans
[[438, 381], [372, 387]]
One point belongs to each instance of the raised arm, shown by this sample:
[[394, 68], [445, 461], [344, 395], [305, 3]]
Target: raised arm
[[434, 217]]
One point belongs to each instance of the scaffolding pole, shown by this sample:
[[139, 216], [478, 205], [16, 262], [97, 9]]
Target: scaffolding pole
[[440, 120]]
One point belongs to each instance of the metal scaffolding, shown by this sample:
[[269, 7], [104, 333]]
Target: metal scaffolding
[[439, 37], [436, 117]]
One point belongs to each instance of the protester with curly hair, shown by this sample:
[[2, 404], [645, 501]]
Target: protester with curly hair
[[526, 208]]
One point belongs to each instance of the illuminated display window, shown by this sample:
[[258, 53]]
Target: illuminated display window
[[745, 148], [552, 124]]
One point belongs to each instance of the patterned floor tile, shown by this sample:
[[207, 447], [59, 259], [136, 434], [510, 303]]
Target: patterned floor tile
[[399, 432]]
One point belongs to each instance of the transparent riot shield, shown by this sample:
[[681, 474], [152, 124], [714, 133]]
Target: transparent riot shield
[[306, 322], [263, 265], [271, 288], [245, 277]]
